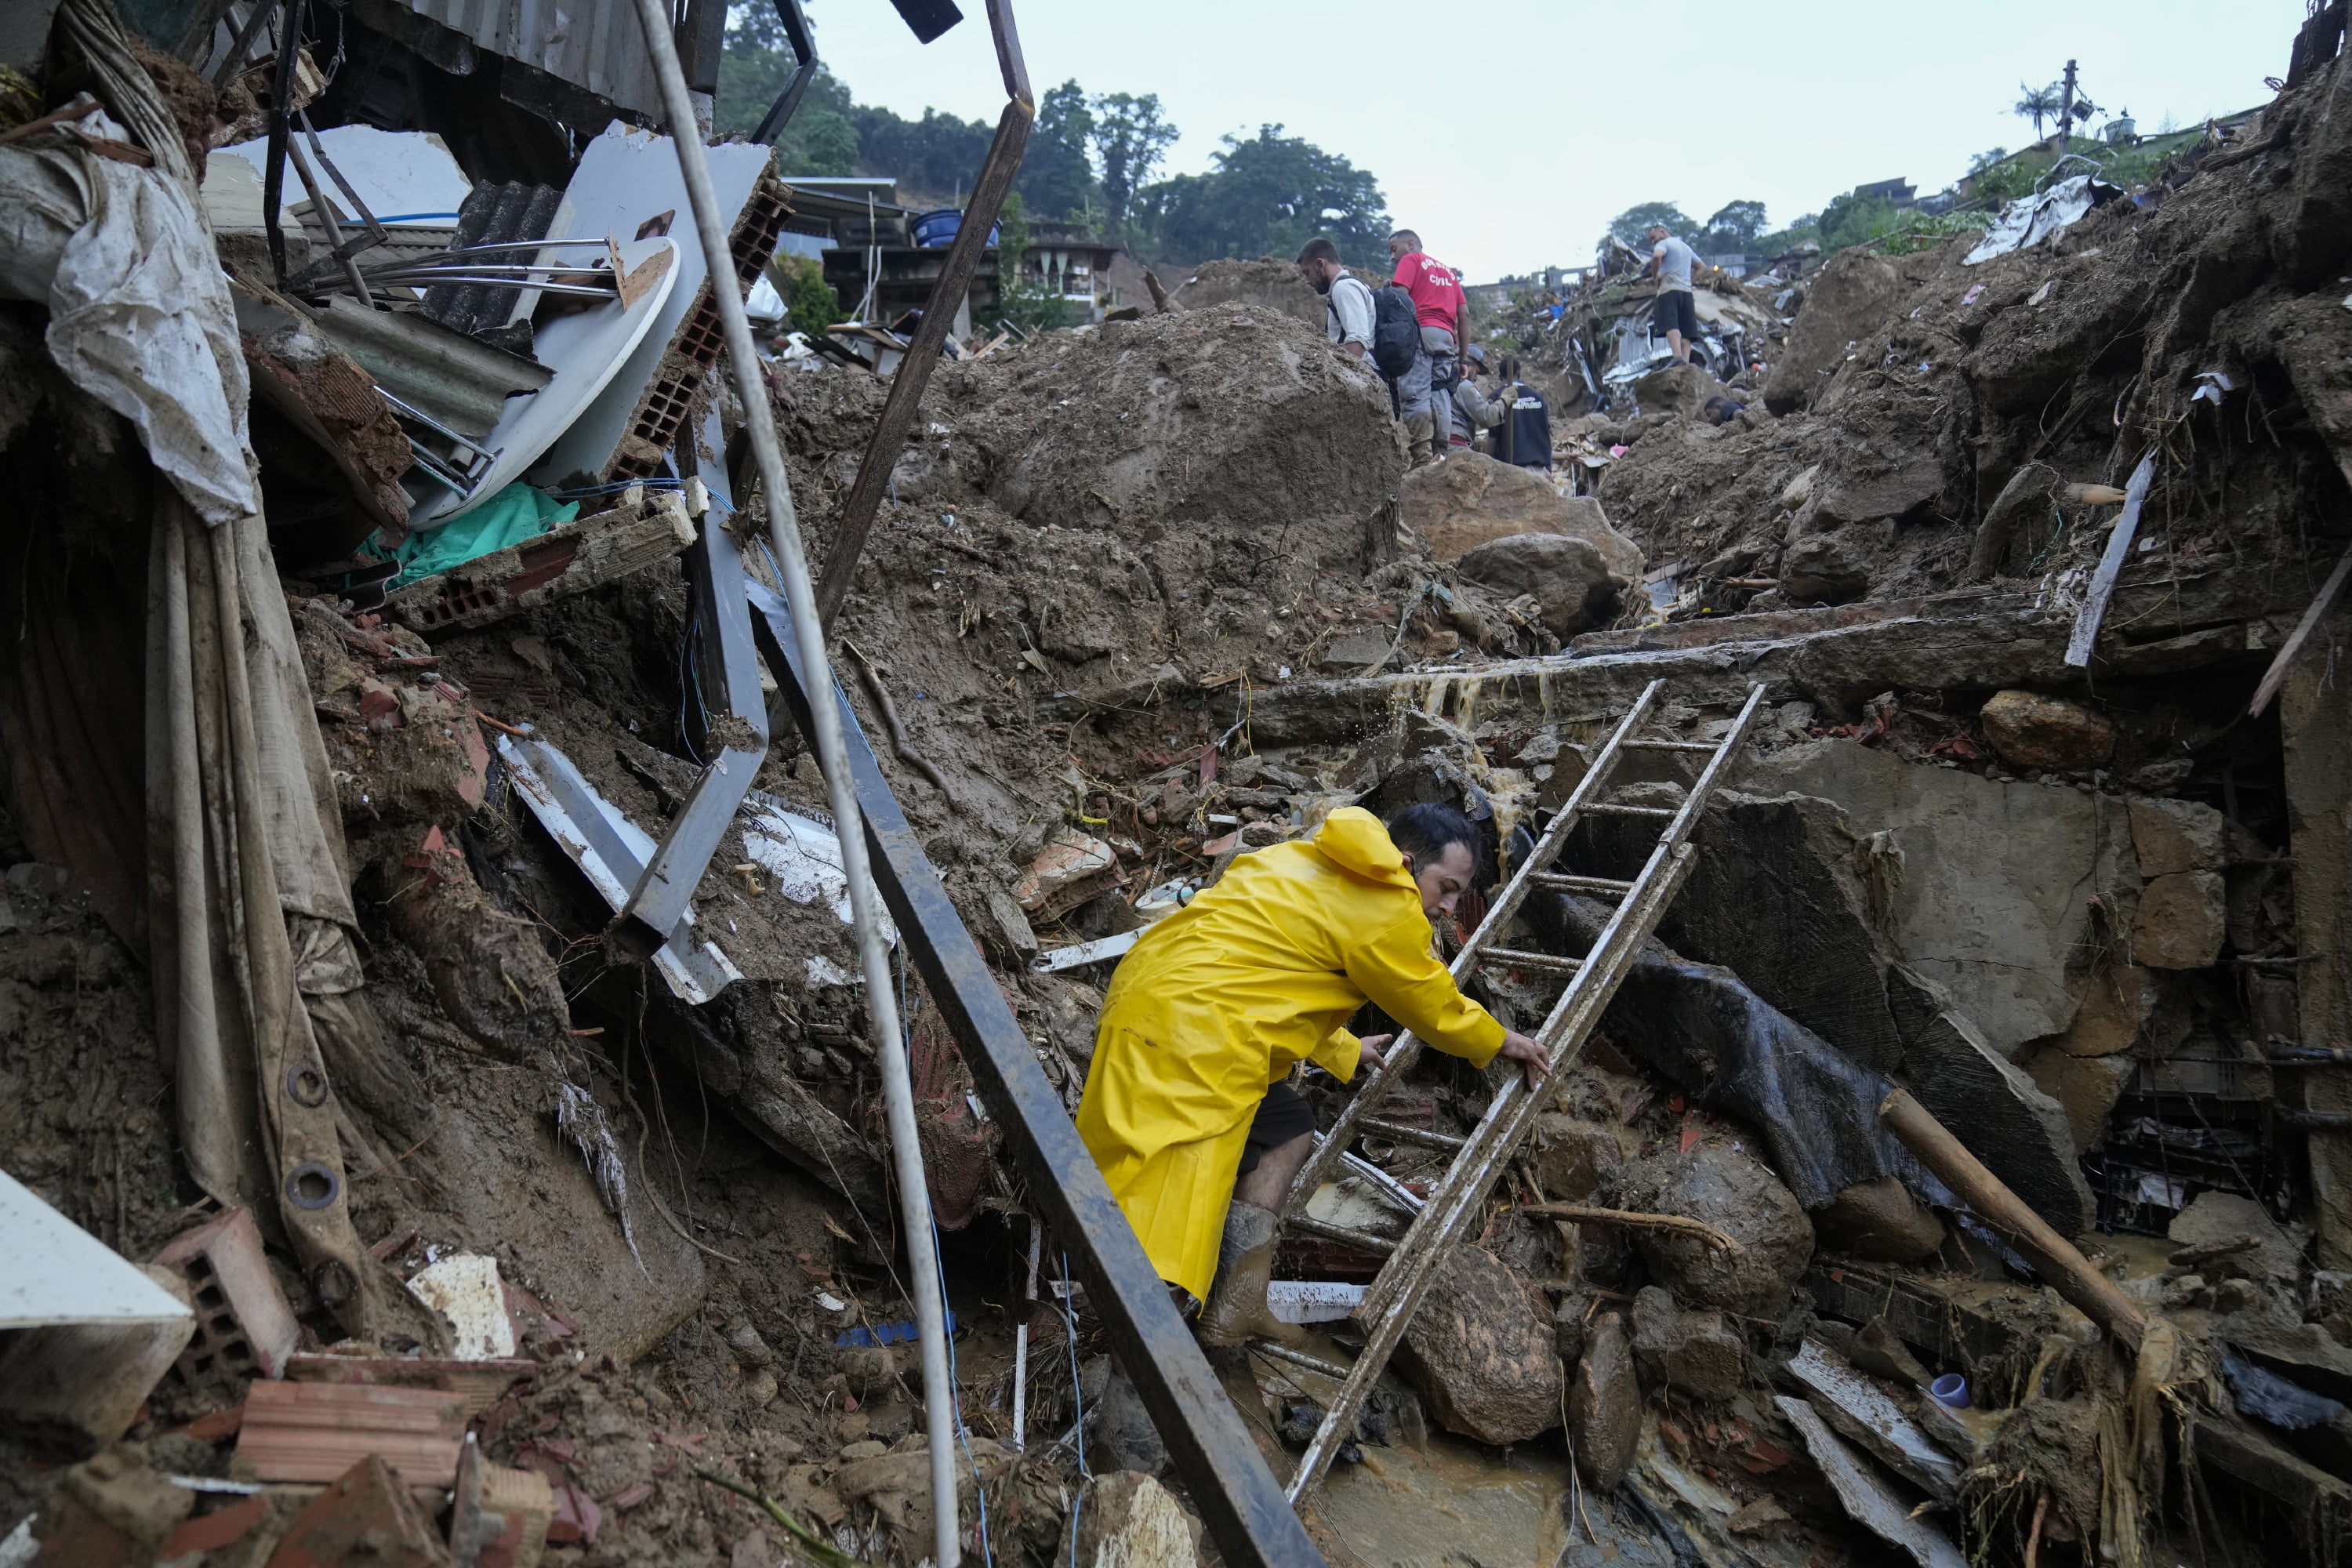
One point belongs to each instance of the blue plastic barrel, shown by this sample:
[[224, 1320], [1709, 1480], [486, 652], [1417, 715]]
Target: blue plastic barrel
[[937, 230]]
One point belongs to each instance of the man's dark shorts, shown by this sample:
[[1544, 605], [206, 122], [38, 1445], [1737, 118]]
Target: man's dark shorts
[[1675, 313], [1282, 1115]]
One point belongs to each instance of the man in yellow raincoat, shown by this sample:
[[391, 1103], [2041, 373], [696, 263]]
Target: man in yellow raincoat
[[1212, 1009]]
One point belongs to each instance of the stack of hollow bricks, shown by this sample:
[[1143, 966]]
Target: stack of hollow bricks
[[243, 1324], [678, 378]]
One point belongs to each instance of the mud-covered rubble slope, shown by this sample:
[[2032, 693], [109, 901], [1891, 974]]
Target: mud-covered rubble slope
[[1919, 391], [1232, 414]]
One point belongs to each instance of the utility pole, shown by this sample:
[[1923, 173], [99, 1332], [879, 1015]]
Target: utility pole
[[2066, 114]]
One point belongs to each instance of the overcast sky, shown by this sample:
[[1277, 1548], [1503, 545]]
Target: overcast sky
[[1537, 124]]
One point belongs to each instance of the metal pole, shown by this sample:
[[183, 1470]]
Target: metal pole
[[865, 912]]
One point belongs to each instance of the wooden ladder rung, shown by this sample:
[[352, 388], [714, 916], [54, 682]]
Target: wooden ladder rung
[[1708, 746], [1404, 1134], [1550, 960], [1609, 810], [1570, 884], [1363, 1239]]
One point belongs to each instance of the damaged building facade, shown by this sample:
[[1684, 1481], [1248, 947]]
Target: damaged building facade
[[446, 1113]]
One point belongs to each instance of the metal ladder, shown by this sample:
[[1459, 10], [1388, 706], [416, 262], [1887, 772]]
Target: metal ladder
[[1478, 1159]]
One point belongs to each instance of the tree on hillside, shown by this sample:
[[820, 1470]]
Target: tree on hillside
[[752, 71], [1735, 226], [1633, 224], [1980, 162], [1130, 137], [936, 158], [2040, 103], [1057, 178], [1265, 196]]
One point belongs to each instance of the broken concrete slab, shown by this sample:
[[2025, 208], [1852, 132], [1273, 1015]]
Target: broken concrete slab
[[1866, 1413], [70, 1389], [1990, 899], [2020, 1133], [1480, 1352], [1777, 897], [1867, 1498], [1471, 498]]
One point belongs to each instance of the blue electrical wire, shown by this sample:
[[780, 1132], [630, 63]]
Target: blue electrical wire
[[1077, 1404]]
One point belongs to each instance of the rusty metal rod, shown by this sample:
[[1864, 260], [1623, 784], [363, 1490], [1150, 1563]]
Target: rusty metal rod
[[1721, 1241]]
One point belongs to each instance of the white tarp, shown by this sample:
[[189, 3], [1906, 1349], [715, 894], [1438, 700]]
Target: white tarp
[[140, 315], [2029, 220]]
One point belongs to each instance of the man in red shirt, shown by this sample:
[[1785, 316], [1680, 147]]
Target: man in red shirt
[[1425, 392]]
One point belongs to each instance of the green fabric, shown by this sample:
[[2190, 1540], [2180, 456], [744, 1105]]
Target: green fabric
[[515, 513]]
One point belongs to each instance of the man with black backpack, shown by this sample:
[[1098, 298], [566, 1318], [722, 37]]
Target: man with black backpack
[[1378, 327], [1426, 392]]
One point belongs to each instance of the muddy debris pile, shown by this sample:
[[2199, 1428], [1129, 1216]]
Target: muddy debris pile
[[1950, 1162]]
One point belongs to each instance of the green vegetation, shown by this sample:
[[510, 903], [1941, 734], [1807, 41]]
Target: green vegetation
[[1265, 196], [1020, 302], [809, 299], [1091, 161]]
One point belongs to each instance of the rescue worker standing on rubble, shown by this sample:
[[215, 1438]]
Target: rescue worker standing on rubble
[[1425, 392], [1349, 314], [1675, 310], [1189, 1110]]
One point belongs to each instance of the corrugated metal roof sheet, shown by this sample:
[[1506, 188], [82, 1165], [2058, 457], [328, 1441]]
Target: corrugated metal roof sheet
[[593, 44]]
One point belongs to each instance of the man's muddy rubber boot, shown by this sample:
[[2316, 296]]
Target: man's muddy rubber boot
[[1236, 1312]]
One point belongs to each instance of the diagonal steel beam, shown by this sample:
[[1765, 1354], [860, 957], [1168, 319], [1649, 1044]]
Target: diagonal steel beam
[[1236, 1493], [914, 372]]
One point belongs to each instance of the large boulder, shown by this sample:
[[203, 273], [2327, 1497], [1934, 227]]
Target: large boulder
[[2032, 730], [1696, 1352], [1570, 580], [1461, 504], [1849, 299], [1483, 1355], [1266, 283], [1604, 1408], [1730, 1189], [1236, 415], [1987, 895]]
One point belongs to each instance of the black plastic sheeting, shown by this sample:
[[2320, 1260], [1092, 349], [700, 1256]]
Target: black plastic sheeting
[[1735, 1054]]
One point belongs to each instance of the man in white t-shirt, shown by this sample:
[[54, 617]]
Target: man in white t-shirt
[[1349, 311], [1675, 310]]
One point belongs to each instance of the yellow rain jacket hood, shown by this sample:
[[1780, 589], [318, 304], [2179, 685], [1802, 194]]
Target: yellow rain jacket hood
[[1223, 998]]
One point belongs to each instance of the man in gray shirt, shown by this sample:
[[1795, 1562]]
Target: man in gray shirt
[[1349, 311], [1675, 313]]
